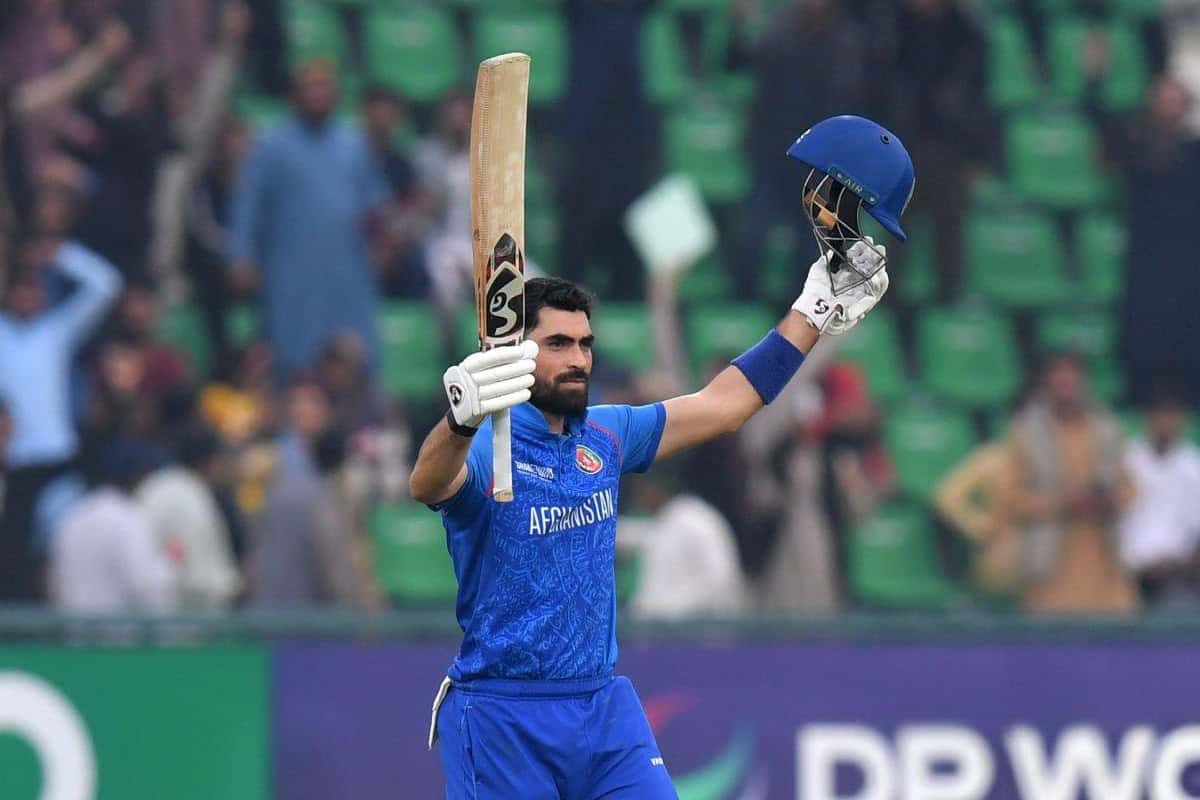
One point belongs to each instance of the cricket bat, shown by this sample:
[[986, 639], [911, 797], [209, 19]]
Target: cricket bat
[[498, 225]]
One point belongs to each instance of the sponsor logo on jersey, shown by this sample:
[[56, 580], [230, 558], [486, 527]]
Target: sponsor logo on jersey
[[551, 519], [587, 460], [536, 470]]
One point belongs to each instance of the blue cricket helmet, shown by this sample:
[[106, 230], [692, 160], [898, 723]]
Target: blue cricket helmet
[[865, 158]]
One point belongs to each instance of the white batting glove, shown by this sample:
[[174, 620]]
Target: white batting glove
[[490, 381], [837, 314]]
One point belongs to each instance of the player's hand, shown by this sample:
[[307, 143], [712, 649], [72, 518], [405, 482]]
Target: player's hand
[[837, 314], [491, 381]]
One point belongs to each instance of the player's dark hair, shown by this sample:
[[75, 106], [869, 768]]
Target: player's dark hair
[[555, 293]]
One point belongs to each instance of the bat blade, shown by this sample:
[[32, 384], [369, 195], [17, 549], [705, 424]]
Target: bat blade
[[498, 223]]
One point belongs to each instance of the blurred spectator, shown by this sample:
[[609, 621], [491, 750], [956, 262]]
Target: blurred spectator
[[689, 559], [342, 374], [106, 558], [1160, 161], [124, 132], [208, 217], [969, 500], [935, 81], [304, 556], [793, 94], [299, 225], [1160, 532], [403, 222], [606, 121], [801, 576], [189, 524], [858, 474], [1065, 486], [238, 403], [195, 183], [37, 345], [443, 165], [309, 416]]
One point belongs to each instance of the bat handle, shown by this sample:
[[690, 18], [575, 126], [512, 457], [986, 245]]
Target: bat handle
[[502, 484]]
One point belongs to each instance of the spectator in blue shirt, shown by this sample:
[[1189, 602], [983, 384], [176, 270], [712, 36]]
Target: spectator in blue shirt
[[37, 346]]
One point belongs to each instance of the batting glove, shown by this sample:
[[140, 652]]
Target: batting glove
[[490, 381], [837, 314]]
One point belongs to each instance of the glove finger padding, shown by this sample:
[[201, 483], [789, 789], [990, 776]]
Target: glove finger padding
[[506, 354], [488, 391], [504, 372], [505, 401]]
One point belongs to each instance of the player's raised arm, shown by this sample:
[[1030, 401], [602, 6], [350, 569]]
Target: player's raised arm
[[481, 385], [854, 164]]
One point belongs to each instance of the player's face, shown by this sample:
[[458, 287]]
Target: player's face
[[564, 362]]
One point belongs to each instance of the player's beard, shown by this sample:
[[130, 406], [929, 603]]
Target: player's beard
[[559, 397]]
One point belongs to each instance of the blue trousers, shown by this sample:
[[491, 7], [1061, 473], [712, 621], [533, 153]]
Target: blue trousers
[[549, 740]]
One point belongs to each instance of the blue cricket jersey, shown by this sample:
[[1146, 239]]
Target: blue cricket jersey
[[536, 577]]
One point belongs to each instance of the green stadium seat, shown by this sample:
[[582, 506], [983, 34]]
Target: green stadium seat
[[539, 32], [414, 50], [724, 330], [624, 335], [916, 274], [782, 272], [705, 141], [925, 442], [410, 365], [466, 330], [1135, 9], [412, 563], [874, 346], [1013, 79], [1100, 244], [1089, 334], [542, 236], [1125, 80], [664, 60], [314, 31], [1129, 73], [990, 191], [182, 327], [1066, 37], [1014, 258], [259, 111], [893, 561], [1106, 379], [1052, 159], [706, 282], [968, 356]]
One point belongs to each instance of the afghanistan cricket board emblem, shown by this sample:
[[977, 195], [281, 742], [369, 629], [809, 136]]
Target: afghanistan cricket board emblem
[[587, 460]]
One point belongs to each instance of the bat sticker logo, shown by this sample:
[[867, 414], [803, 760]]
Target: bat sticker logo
[[506, 290]]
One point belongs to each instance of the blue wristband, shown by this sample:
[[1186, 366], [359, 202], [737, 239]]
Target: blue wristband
[[770, 364]]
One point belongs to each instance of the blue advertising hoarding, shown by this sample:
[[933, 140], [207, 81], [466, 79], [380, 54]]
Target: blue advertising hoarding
[[820, 721]]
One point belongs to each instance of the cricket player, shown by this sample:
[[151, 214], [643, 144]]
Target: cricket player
[[531, 709]]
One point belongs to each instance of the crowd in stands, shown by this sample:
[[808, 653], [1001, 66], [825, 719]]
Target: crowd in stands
[[235, 257]]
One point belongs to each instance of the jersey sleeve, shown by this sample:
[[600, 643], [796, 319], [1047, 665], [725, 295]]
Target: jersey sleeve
[[473, 494], [639, 430]]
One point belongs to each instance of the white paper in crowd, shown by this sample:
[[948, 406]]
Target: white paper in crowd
[[670, 226]]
